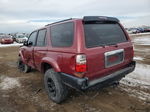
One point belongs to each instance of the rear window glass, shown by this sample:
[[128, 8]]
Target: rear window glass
[[62, 35], [103, 34]]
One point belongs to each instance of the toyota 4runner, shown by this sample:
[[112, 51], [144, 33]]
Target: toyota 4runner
[[78, 53]]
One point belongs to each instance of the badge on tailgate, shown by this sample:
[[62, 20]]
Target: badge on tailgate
[[114, 57]]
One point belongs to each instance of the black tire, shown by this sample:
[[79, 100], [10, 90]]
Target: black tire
[[56, 90], [23, 67]]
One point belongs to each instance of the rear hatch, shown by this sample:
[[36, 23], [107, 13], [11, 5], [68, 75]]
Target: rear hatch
[[108, 48]]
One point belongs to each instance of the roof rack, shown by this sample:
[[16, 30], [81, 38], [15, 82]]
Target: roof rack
[[59, 21]]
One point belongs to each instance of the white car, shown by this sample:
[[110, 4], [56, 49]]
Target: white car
[[21, 39]]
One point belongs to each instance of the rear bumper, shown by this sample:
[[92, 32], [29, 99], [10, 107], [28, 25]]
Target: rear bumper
[[85, 83]]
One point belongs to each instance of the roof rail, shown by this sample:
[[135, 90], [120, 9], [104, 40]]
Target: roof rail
[[59, 21]]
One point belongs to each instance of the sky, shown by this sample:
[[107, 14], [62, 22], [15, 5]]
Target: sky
[[28, 15]]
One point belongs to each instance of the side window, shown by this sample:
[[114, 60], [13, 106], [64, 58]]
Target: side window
[[62, 35], [41, 37], [32, 38]]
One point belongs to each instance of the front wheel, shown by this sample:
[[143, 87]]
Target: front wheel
[[23, 67], [56, 90]]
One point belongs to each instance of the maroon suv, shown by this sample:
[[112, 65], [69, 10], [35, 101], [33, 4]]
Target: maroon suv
[[78, 53]]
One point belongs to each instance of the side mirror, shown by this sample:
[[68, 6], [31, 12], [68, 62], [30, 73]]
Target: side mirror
[[25, 43], [30, 43]]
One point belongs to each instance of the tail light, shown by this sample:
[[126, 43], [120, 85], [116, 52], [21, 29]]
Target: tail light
[[81, 63]]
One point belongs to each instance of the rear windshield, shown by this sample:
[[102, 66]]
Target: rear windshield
[[103, 34]]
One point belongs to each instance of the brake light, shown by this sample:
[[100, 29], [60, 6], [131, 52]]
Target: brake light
[[81, 63]]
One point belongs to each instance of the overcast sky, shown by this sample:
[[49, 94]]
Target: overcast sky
[[27, 15]]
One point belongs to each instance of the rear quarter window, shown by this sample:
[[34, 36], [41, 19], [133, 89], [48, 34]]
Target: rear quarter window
[[62, 34]]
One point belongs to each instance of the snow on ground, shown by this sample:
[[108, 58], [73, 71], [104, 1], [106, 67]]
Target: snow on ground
[[9, 45], [145, 40], [141, 50], [7, 83], [138, 94], [140, 34], [138, 58], [139, 77]]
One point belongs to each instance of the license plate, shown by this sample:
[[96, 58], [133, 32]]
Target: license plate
[[114, 57]]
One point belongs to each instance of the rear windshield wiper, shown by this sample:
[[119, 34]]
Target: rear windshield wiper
[[98, 45], [103, 45]]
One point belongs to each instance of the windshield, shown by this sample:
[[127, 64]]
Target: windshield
[[103, 34], [21, 36]]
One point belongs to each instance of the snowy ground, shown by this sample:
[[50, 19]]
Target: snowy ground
[[8, 82], [142, 40], [140, 34], [140, 78], [9, 45]]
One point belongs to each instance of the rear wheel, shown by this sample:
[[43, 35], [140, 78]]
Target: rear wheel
[[23, 67], [56, 90]]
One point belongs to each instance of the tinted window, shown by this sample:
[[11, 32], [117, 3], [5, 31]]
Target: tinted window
[[103, 34], [32, 38], [41, 37], [62, 35]]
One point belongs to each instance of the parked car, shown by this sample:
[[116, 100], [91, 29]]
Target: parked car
[[6, 39], [21, 38], [140, 30], [147, 29], [78, 53], [133, 31]]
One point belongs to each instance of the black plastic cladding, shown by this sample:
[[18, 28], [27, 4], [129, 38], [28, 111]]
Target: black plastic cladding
[[99, 19]]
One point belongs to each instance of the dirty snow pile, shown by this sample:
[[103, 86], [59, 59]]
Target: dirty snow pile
[[140, 76], [9, 45], [141, 50], [145, 40], [7, 83], [138, 94], [138, 58]]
